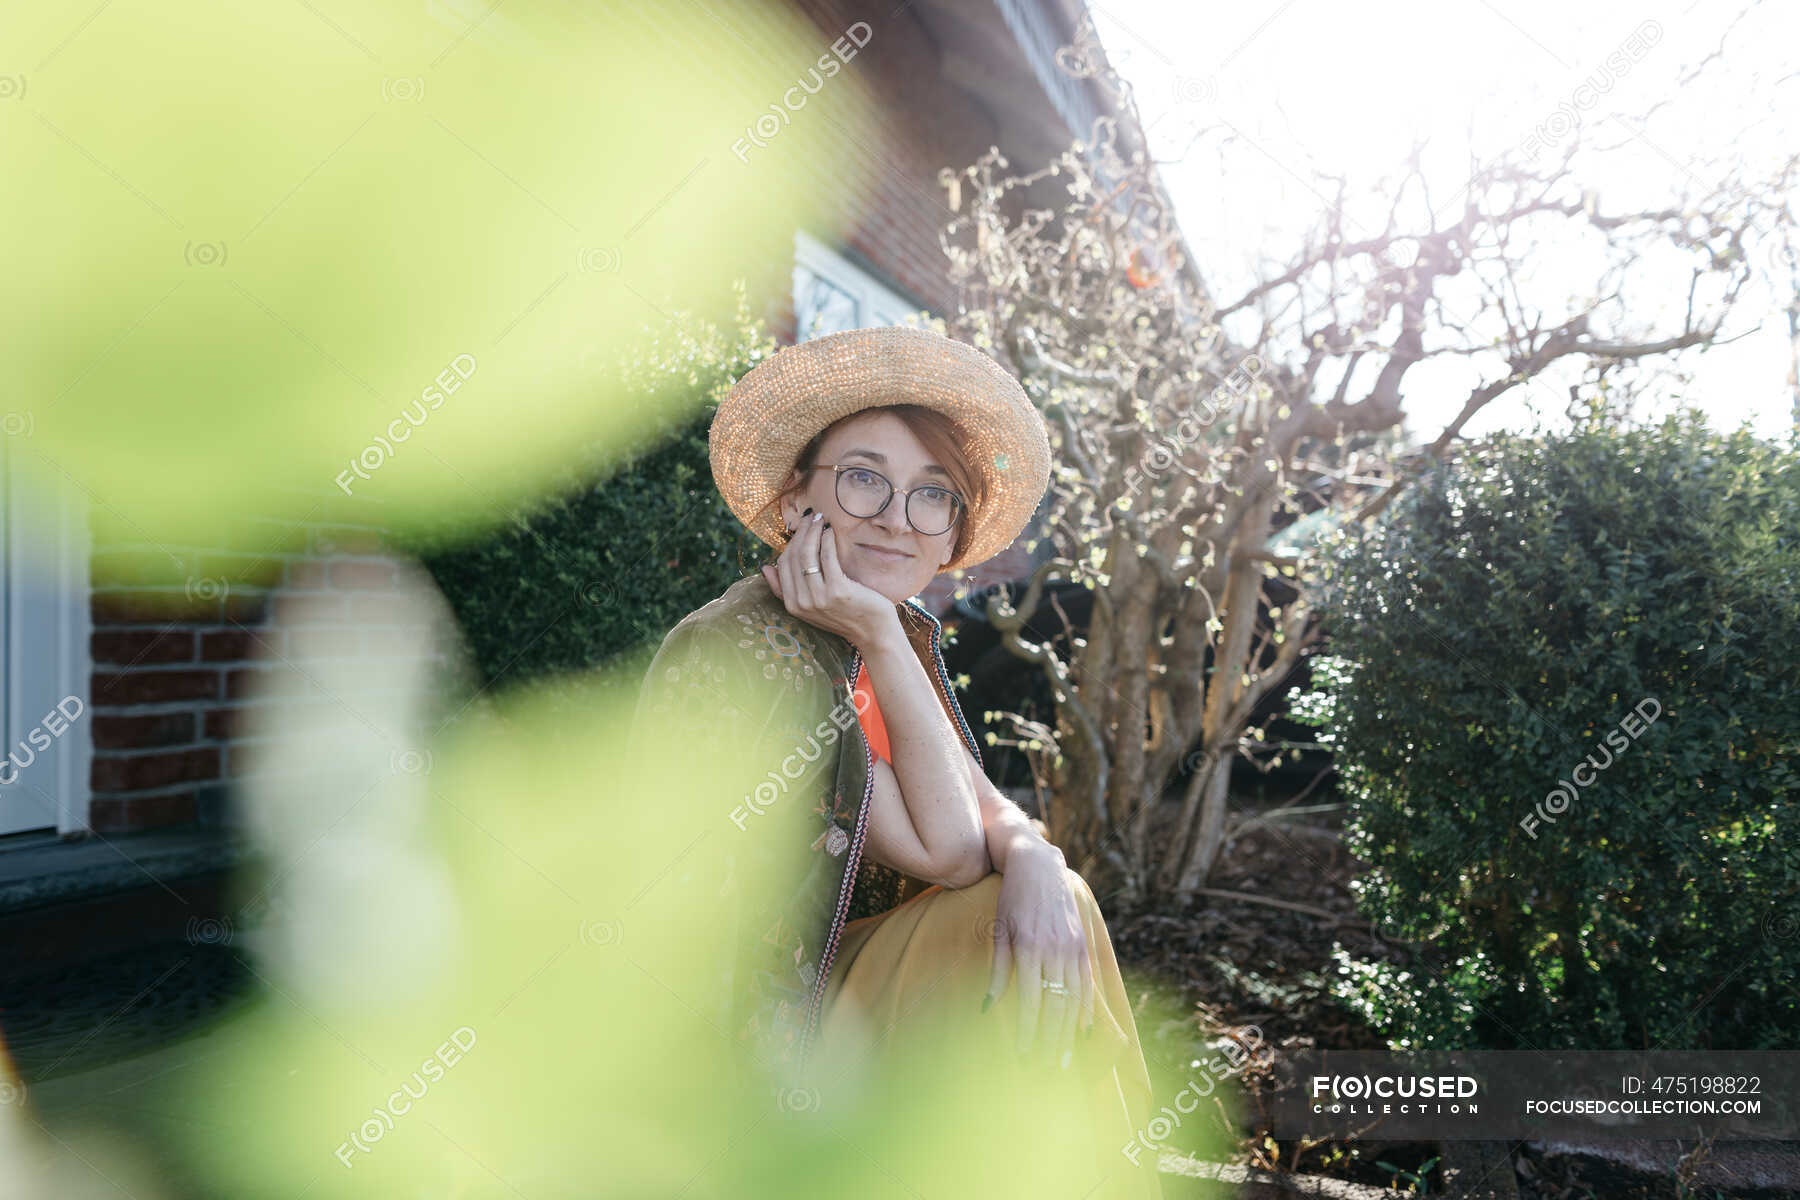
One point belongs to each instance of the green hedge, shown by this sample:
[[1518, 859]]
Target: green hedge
[[624, 548], [1624, 598]]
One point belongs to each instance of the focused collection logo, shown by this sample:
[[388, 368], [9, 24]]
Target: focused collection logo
[[1375, 1095]]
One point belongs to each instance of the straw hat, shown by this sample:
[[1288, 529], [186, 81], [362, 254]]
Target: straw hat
[[781, 404]]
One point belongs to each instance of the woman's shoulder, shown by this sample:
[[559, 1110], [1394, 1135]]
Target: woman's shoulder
[[743, 657], [749, 622], [748, 603]]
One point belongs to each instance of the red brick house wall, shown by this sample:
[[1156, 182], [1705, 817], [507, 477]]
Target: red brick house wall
[[168, 698]]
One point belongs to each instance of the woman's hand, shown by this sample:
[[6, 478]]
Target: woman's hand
[[829, 598], [1039, 932]]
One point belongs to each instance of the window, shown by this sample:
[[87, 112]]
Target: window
[[838, 294]]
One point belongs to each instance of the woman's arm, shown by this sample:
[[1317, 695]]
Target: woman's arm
[[1038, 929], [893, 842], [1011, 837], [935, 830]]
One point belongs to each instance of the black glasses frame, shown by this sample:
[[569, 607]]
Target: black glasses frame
[[958, 507]]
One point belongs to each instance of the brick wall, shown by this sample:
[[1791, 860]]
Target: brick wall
[[891, 202], [176, 660]]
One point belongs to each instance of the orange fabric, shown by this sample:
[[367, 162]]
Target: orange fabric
[[874, 728]]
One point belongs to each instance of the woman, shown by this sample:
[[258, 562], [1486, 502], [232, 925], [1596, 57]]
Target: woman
[[927, 908]]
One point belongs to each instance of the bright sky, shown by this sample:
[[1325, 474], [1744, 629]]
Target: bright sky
[[1306, 85]]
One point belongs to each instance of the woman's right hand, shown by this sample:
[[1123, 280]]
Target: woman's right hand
[[827, 597]]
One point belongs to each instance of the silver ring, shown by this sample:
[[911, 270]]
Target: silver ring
[[810, 571], [1055, 989]]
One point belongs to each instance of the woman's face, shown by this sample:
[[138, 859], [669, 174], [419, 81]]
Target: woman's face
[[881, 442]]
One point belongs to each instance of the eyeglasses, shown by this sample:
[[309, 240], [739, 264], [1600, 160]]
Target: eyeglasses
[[863, 492]]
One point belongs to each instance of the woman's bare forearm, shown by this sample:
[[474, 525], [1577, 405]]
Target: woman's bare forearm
[[940, 798], [1011, 838]]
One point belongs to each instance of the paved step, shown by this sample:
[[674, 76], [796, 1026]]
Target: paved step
[[1744, 1170]]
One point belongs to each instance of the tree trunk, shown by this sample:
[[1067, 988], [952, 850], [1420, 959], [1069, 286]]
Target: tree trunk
[[1210, 836]]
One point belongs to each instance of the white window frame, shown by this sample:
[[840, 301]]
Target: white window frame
[[876, 304], [46, 629]]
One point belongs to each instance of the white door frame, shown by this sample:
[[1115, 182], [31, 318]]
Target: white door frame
[[46, 627]]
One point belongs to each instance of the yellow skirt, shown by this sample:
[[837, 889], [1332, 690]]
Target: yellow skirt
[[903, 1005]]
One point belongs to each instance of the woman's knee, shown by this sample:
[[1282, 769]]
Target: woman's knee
[[985, 892], [1084, 896], [981, 900], [1076, 883]]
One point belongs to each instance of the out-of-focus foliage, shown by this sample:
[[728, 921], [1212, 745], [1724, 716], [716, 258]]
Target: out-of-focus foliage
[[1624, 598], [635, 539], [488, 969], [281, 259]]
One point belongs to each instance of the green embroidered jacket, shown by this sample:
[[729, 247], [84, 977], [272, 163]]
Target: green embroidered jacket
[[786, 839]]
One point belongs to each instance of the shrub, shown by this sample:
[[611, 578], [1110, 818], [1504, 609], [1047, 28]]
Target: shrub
[[1565, 698]]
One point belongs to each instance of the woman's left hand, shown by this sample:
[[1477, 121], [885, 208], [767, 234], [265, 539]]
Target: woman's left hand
[[1039, 933]]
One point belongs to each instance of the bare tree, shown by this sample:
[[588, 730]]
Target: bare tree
[[1191, 428]]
